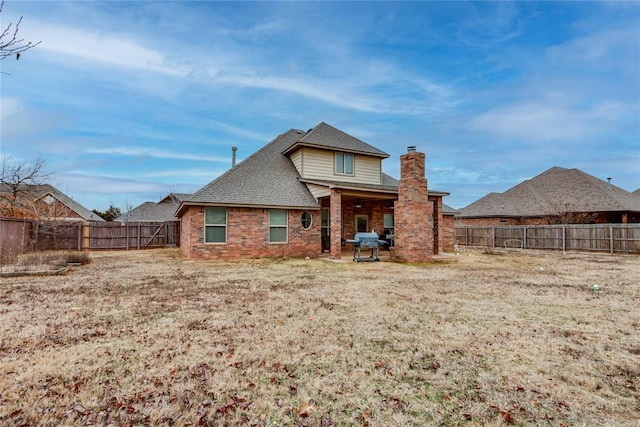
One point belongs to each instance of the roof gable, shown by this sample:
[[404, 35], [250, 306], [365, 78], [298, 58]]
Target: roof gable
[[554, 191], [35, 192], [325, 136]]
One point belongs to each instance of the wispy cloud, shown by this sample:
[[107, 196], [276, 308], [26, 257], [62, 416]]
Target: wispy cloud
[[155, 153], [204, 175], [116, 50], [140, 94], [537, 122]]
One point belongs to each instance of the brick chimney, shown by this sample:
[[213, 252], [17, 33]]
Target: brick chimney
[[413, 212]]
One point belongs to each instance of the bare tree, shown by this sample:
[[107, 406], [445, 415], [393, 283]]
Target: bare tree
[[564, 213], [17, 181], [10, 43], [25, 194]]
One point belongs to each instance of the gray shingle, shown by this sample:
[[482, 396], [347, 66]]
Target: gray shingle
[[151, 212], [326, 136], [448, 210], [553, 191], [266, 178]]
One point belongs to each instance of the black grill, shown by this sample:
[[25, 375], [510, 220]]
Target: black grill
[[366, 240]]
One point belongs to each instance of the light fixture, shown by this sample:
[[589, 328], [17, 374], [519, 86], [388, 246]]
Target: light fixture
[[358, 204]]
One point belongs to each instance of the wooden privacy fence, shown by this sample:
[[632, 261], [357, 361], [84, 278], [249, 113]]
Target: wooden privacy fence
[[134, 235], [15, 237], [613, 238], [18, 236]]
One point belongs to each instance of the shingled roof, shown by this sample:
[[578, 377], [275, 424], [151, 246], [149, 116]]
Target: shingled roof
[[265, 179], [37, 191], [151, 212], [327, 137], [553, 191]]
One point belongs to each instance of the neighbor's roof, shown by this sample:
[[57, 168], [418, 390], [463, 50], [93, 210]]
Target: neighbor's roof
[[35, 192], [327, 137], [554, 191], [175, 198], [637, 192], [267, 178], [151, 212], [448, 210]]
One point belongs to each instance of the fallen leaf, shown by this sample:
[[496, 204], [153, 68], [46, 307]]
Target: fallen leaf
[[305, 409]]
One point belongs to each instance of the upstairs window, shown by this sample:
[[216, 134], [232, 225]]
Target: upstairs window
[[344, 163], [215, 225]]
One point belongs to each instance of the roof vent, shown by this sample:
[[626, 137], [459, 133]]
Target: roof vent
[[609, 182], [233, 157], [411, 149]]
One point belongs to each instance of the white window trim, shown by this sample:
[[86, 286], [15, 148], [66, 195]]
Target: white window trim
[[335, 164], [226, 227], [310, 220], [286, 227]]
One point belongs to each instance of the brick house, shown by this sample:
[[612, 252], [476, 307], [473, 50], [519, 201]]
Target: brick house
[[163, 211], [305, 193], [556, 196], [43, 202]]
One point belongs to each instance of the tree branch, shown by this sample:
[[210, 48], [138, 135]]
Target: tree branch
[[10, 44]]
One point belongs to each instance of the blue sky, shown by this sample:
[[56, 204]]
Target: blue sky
[[128, 101]]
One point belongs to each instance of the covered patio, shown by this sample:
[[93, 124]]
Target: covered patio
[[348, 210]]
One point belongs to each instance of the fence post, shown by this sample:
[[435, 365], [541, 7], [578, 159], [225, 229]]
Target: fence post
[[524, 238], [611, 238], [493, 237], [564, 238]]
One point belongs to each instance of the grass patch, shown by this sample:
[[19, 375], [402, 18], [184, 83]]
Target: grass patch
[[147, 337]]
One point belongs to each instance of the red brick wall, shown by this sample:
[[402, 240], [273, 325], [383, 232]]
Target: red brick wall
[[56, 209], [248, 235], [413, 212], [447, 232]]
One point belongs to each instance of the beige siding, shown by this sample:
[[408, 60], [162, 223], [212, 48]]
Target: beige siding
[[296, 158], [319, 164], [319, 191]]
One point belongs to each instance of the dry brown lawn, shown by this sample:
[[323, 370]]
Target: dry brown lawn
[[149, 338]]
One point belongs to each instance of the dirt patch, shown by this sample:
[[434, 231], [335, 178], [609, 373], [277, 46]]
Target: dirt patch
[[147, 337]]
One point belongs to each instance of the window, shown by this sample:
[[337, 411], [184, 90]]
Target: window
[[215, 225], [344, 163], [277, 226], [306, 220], [325, 228], [388, 224]]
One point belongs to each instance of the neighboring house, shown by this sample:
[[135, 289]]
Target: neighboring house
[[306, 193], [44, 202], [162, 211], [637, 192], [556, 196]]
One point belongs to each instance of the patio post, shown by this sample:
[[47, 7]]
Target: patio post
[[335, 217]]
